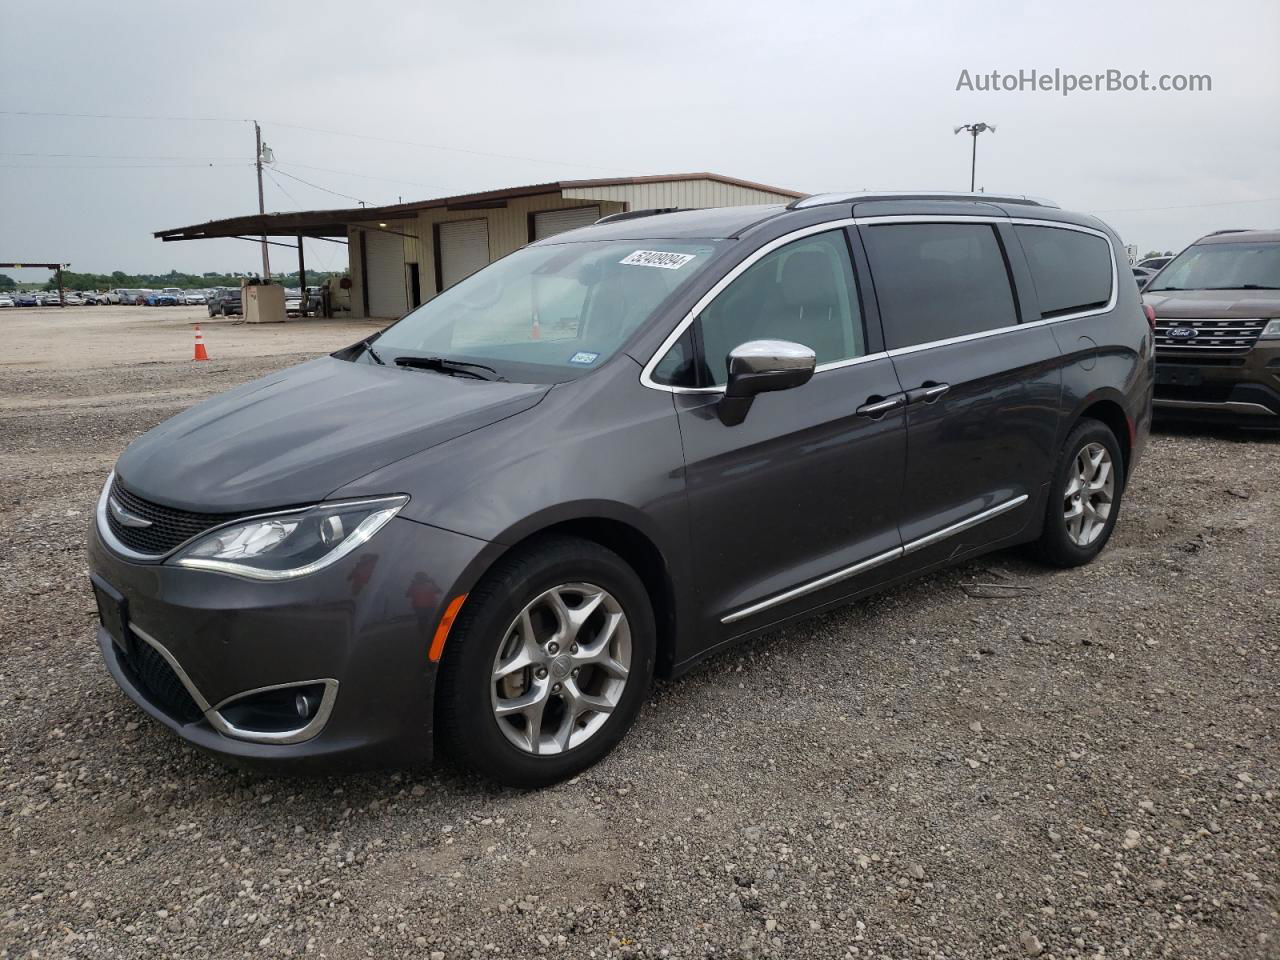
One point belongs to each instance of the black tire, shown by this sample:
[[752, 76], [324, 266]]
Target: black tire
[[465, 721], [1055, 545]]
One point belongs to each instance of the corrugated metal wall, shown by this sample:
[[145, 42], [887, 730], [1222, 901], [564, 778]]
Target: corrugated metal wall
[[679, 193]]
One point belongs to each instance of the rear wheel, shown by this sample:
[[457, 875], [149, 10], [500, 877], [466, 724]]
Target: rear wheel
[[1084, 499], [547, 665]]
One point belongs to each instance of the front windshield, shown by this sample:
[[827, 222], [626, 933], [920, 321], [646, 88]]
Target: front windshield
[[548, 313], [1222, 266]]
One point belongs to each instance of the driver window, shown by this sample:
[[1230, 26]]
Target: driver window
[[803, 292]]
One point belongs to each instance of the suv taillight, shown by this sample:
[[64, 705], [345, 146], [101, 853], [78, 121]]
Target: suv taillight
[[1150, 311]]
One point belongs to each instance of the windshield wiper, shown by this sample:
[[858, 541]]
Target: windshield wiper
[[368, 346], [1246, 286], [445, 365]]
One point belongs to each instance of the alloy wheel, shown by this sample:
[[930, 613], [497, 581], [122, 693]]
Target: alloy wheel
[[561, 668], [1090, 494]]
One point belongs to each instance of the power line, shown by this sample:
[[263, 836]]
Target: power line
[[118, 116], [317, 186], [366, 176], [118, 166], [436, 146], [113, 156], [280, 187], [324, 130]]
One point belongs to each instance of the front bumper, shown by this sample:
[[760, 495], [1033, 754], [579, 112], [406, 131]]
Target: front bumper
[[1242, 390], [361, 628]]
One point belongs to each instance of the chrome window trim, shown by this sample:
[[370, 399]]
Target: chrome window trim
[[306, 732], [646, 374], [879, 559]]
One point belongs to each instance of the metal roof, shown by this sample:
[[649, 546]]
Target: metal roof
[[333, 223]]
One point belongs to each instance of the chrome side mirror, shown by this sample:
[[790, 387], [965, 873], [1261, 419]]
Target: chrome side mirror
[[763, 366]]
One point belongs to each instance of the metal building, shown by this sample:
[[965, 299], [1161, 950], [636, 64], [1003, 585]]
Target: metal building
[[403, 255]]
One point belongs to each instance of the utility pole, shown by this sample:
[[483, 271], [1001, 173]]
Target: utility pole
[[262, 207], [975, 129]]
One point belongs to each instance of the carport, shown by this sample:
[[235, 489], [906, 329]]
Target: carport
[[404, 254]]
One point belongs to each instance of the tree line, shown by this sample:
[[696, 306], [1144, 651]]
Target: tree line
[[185, 281]]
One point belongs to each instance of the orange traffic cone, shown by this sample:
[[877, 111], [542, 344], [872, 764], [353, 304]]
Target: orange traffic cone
[[201, 353]]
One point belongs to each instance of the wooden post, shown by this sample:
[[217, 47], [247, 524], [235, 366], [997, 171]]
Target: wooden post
[[302, 276], [62, 300]]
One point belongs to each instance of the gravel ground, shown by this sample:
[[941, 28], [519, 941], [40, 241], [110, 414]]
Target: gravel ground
[[1000, 760]]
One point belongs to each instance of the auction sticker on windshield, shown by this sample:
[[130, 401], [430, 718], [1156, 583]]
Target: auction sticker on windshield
[[657, 258]]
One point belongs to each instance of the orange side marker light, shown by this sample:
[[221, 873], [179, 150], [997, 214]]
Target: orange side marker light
[[442, 631]]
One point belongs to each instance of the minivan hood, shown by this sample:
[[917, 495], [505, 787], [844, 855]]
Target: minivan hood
[[1214, 304], [295, 436]]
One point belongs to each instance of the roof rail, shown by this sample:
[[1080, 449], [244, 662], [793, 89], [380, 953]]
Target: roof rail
[[1217, 233], [823, 199], [633, 214]]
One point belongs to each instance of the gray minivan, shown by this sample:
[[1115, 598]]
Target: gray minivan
[[607, 456]]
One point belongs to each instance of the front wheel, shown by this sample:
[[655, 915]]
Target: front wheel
[[1084, 499], [548, 664]]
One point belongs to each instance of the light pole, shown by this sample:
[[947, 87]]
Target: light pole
[[975, 129]]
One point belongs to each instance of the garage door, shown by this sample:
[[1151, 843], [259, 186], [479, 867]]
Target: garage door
[[464, 249], [550, 222], [384, 260]]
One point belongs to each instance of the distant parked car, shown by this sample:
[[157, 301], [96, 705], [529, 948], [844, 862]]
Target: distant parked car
[[50, 300], [293, 302], [225, 302], [6, 300], [159, 298], [1143, 275], [73, 300], [193, 296], [28, 300], [1154, 263], [179, 295]]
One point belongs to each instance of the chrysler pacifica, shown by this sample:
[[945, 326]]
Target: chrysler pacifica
[[607, 456]]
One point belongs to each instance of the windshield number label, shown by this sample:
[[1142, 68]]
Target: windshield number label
[[657, 258], [584, 357]]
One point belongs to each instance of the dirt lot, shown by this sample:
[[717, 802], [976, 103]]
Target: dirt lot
[[1000, 760]]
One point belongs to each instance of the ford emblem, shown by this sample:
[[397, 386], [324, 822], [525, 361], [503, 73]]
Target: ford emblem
[[1182, 333]]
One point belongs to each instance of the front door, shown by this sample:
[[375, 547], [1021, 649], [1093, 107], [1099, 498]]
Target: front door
[[982, 390], [798, 504]]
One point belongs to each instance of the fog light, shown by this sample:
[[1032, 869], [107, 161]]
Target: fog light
[[306, 705]]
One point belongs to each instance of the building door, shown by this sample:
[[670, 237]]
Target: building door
[[550, 222], [385, 276], [462, 247], [415, 285]]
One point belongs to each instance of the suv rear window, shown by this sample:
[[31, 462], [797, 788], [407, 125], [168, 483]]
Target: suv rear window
[[1071, 270], [935, 281]]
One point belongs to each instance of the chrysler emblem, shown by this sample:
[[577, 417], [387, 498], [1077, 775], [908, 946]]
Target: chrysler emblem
[[124, 517]]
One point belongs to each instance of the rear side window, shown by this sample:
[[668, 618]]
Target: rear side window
[[936, 281], [1071, 270]]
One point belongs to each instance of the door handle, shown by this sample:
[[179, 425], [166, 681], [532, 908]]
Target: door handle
[[927, 392], [878, 408]]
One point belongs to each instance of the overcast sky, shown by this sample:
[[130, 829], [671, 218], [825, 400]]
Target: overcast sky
[[806, 95]]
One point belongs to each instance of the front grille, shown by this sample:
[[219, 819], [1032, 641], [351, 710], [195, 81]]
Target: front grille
[[152, 675], [169, 527], [1213, 337]]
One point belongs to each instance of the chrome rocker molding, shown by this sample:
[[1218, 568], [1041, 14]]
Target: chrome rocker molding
[[646, 374], [1225, 406], [872, 562], [211, 714]]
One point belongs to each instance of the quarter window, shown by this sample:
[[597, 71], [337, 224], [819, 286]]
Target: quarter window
[[803, 292], [935, 281], [1070, 269]]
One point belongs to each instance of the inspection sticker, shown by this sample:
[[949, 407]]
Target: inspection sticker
[[584, 357], [658, 258]]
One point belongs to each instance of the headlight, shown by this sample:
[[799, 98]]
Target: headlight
[[1271, 331], [283, 546]]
